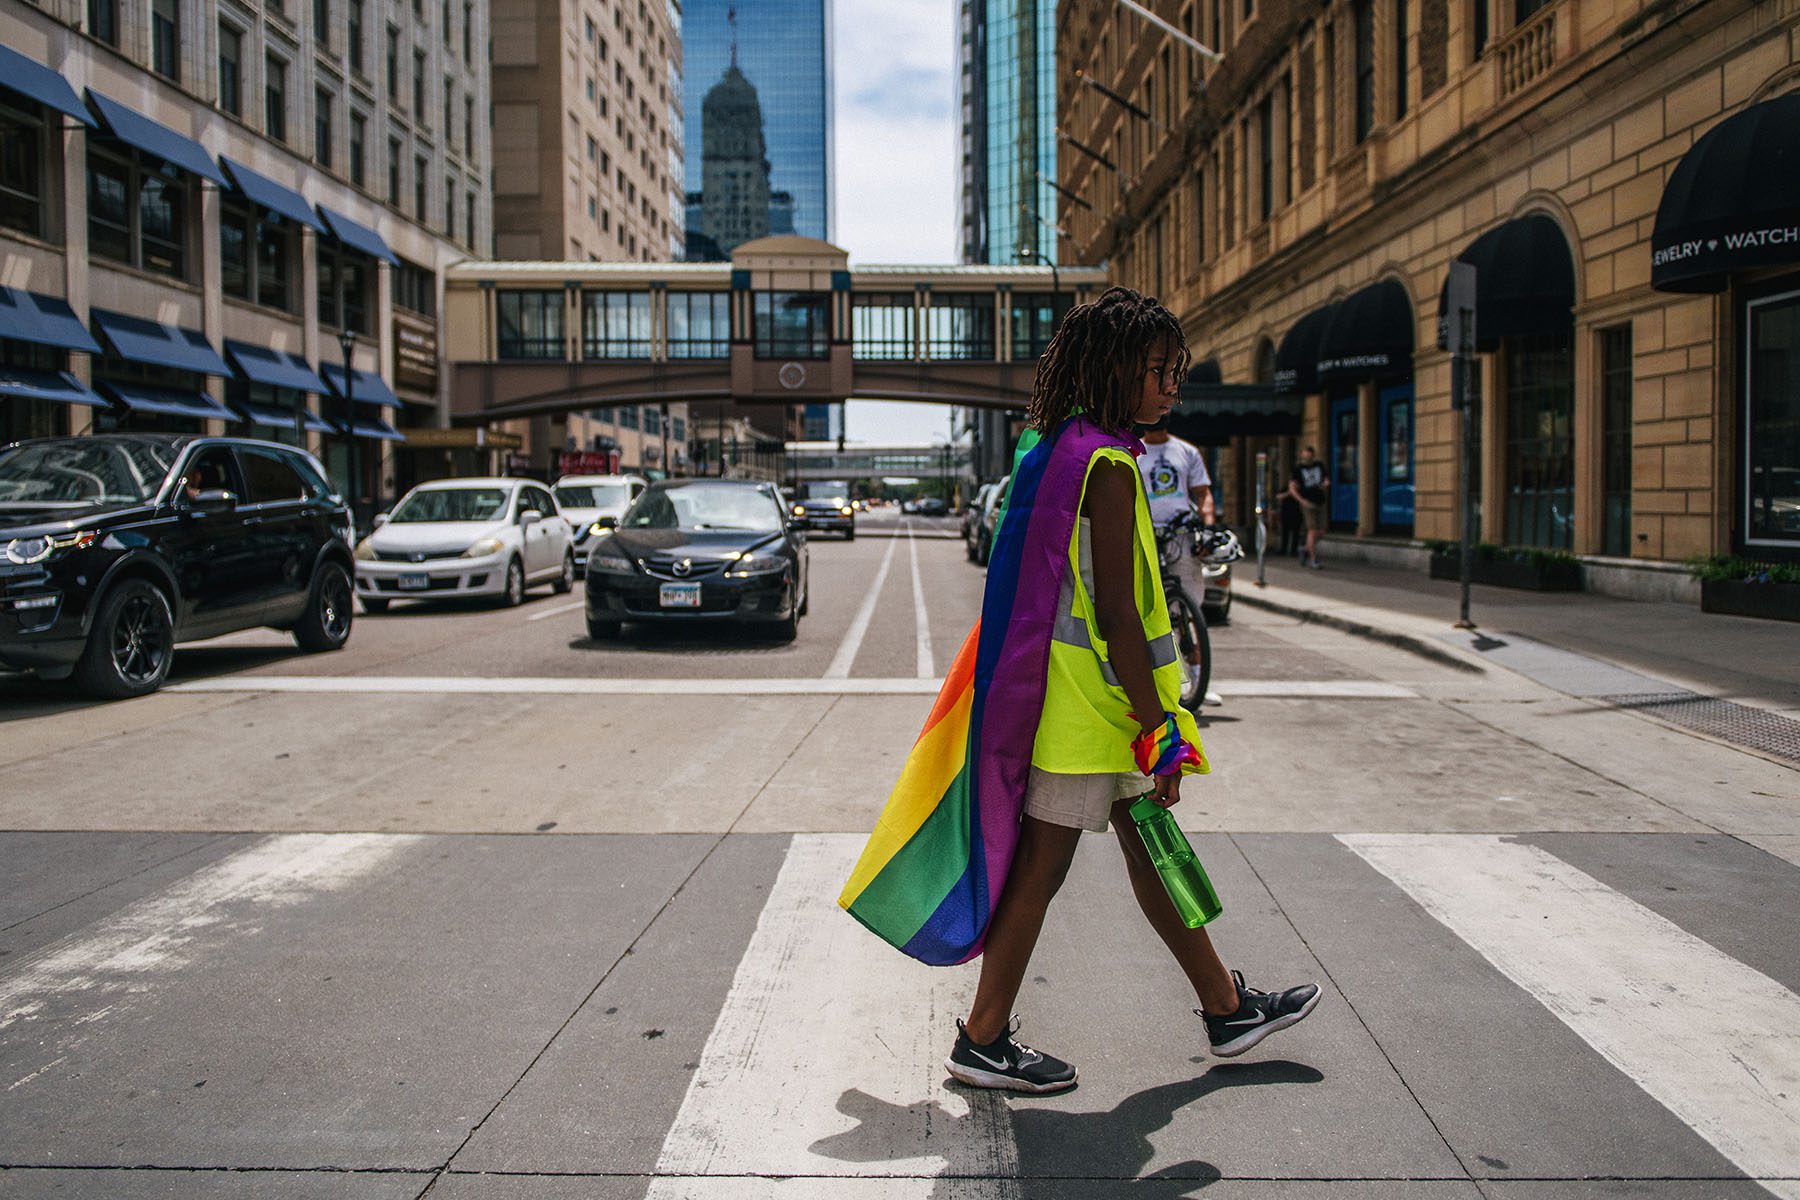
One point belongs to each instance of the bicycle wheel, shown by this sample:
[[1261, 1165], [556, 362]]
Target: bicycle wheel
[[1192, 643]]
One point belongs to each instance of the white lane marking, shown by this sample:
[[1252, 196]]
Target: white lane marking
[[845, 657], [131, 951], [558, 611], [1309, 689], [1714, 1041], [927, 669], [478, 685], [824, 1072]]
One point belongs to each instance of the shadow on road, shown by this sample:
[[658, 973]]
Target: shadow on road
[[1087, 1153]]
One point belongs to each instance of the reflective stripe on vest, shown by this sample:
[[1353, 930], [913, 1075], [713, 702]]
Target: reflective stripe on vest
[[1072, 628]]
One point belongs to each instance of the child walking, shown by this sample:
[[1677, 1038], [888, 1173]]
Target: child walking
[[1113, 364]]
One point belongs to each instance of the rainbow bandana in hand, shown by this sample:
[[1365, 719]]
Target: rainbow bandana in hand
[[934, 868], [1163, 751]]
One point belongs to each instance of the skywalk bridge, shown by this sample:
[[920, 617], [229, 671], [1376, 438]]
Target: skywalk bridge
[[786, 321]]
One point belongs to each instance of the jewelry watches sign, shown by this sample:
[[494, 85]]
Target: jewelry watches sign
[[1698, 255], [415, 355]]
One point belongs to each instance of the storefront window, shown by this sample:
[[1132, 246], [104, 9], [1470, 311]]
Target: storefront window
[[108, 369], [793, 324], [21, 418], [22, 168], [531, 324], [616, 324], [1540, 451], [1615, 421], [1772, 422]]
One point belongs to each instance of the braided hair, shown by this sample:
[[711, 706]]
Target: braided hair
[[1096, 362]]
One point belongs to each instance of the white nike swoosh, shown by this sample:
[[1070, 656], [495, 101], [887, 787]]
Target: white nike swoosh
[[999, 1064], [1259, 1019]]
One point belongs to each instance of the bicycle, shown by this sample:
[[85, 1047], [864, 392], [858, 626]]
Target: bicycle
[[1187, 618]]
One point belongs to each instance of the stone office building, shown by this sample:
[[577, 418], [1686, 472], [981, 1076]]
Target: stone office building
[[1623, 174], [199, 197]]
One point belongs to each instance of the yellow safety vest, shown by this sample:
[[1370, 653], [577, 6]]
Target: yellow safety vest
[[1087, 727]]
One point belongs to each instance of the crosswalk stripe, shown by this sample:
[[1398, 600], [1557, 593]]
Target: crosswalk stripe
[[1714, 1041], [823, 1076]]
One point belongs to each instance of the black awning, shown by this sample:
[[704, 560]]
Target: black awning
[[1369, 335], [1211, 414], [1204, 372], [1297, 358], [1524, 283], [1732, 203]]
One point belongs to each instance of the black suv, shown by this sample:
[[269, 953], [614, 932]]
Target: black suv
[[115, 547]]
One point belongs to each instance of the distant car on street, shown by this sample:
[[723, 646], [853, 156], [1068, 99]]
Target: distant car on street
[[590, 502], [828, 510], [986, 511], [700, 550], [466, 538], [113, 547], [931, 506]]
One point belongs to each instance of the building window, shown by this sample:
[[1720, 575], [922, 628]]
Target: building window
[[257, 255], [322, 102], [615, 325], [415, 289], [628, 417], [137, 212], [418, 85], [353, 21], [1615, 433], [1034, 320], [959, 327], [469, 220], [1400, 58], [359, 132], [393, 165], [531, 324], [678, 428], [1524, 9], [1480, 26], [1772, 420], [275, 99], [322, 23], [231, 70], [450, 107], [1364, 76], [103, 20], [165, 38], [346, 288], [1540, 457], [420, 188], [469, 126], [449, 208], [393, 64], [468, 34], [1265, 146], [792, 324], [22, 168]]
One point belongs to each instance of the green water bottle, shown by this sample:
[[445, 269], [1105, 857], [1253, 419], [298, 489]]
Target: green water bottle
[[1182, 875]]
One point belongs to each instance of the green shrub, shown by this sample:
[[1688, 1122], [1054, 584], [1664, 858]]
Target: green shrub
[[1489, 552], [1743, 570]]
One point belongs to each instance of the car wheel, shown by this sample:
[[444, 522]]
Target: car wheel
[[514, 595], [131, 643], [603, 631], [374, 606], [849, 535], [326, 623], [565, 583]]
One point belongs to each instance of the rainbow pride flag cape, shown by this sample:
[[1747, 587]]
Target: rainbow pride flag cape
[[933, 870]]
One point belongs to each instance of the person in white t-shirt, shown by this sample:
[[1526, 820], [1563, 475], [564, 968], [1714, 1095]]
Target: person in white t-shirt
[[1175, 478]]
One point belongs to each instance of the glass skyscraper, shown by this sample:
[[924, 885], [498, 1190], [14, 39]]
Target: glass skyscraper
[[1008, 91], [759, 118]]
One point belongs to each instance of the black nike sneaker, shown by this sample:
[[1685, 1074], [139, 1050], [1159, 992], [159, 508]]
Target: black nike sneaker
[[1258, 1015], [1005, 1063]]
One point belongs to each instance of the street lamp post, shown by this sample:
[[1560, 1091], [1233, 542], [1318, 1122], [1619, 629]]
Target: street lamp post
[[347, 340]]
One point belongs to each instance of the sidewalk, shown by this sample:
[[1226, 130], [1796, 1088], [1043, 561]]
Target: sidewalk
[[1740, 659]]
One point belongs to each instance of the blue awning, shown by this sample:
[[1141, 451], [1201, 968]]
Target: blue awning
[[22, 383], [159, 345], [167, 403], [275, 368], [35, 81], [357, 237], [46, 320], [370, 388], [154, 138], [379, 430], [277, 416], [261, 190]]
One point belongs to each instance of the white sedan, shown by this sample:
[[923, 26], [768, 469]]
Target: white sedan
[[463, 538]]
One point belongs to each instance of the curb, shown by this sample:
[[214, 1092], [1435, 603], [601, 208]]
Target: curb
[[1362, 629]]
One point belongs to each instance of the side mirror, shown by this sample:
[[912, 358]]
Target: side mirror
[[607, 521], [380, 520], [529, 517], [211, 500]]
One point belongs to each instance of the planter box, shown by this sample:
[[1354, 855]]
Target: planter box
[[1553, 576], [1772, 601]]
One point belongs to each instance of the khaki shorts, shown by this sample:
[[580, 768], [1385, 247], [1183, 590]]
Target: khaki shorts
[[1315, 516], [1081, 801]]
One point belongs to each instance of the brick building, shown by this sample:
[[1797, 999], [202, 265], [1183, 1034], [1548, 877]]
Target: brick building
[[1298, 202]]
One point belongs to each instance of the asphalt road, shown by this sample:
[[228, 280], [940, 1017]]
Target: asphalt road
[[479, 908]]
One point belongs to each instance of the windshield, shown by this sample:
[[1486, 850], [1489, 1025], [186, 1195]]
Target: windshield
[[87, 473], [451, 504], [591, 495], [704, 506], [833, 500]]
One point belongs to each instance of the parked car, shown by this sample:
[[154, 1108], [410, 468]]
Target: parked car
[[828, 511], [115, 547], [464, 538], [700, 550], [931, 506], [972, 511], [590, 502], [987, 517]]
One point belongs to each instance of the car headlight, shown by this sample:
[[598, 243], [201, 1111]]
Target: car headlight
[[365, 550], [799, 510], [757, 564], [26, 551], [846, 511], [610, 562], [485, 547]]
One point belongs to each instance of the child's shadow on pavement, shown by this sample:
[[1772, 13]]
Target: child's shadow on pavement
[[1088, 1150]]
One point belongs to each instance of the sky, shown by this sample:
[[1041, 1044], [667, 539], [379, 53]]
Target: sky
[[895, 84]]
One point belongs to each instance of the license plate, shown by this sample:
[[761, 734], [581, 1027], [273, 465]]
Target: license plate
[[415, 581], [681, 595]]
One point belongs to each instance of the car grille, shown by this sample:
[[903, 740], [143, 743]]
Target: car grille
[[416, 555], [662, 566]]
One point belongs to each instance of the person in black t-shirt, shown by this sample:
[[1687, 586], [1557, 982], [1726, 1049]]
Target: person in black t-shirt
[[1309, 484]]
